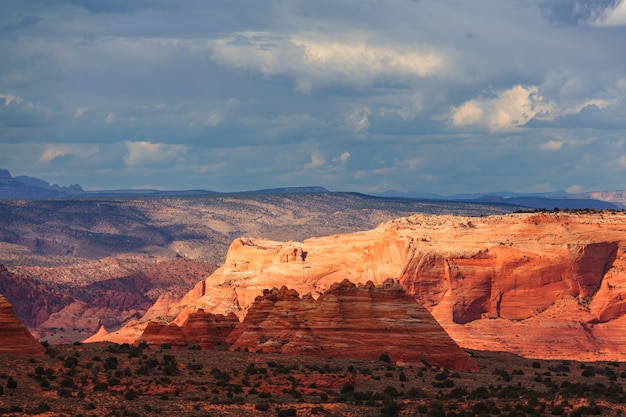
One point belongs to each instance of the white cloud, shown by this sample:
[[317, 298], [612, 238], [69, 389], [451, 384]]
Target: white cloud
[[622, 161], [357, 120], [574, 189], [317, 160], [552, 145], [80, 111], [314, 59], [55, 150], [508, 110], [344, 157], [146, 153], [8, 98], [110, 119], [611, 16]]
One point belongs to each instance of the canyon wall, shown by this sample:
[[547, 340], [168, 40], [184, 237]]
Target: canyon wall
[[549, 285]]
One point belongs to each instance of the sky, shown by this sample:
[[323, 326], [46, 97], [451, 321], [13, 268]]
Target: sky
[[432, 96]]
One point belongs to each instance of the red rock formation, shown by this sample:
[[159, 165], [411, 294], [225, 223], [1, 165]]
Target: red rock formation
[[14, 336], [208, 330], [361, 321], [511, 283], [204, 329]]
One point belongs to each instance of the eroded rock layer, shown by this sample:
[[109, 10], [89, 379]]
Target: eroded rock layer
[[201, 329], [547, 285], [348, 320], [14, 336]]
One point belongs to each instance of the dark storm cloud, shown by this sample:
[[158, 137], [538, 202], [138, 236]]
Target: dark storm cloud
[[356, 95]]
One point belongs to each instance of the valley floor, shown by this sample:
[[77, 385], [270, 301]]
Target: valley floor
[[121, 380]]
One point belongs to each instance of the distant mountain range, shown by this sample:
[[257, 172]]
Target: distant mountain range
[[29, 187], [602, 200]]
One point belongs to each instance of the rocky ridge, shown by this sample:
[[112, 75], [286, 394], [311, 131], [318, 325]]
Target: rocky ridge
[[349, 321], [545, 285], [16, 339]]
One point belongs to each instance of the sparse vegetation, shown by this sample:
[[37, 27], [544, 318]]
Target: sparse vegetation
[[198, 383]]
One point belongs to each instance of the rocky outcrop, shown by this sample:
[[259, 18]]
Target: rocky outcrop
[[349, 321], [202, 329], [511, 283], [15, 338]]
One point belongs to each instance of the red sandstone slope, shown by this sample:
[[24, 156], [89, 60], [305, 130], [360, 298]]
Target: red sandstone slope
[[361, 321], [541, 285], [203, 329], [14, 336]]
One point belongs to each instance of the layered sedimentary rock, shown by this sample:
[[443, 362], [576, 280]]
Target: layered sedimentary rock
[[14, 336], [351, 321], [202, 329], [547, 285]]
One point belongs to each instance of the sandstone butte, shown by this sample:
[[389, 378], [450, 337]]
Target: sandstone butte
[[16, 339], [348, 321], [202, 329], [543, 285]]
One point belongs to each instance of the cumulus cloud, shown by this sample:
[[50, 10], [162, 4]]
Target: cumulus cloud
[[18, 112], [613, 15], [574, 189], [317, 161], [313, 59], [357, 120], [148, 153], [343, 158], [53, 151], [110, 118], [508, 110], [80, 111], [622, 161], [551, 145]]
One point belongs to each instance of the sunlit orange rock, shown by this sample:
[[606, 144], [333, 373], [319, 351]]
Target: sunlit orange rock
[[349, 321], [546, 285], [15, 338]]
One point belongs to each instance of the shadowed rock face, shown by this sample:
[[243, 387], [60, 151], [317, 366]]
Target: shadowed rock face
[[14, 336], [541, 285], [203, 329], [361, 321]]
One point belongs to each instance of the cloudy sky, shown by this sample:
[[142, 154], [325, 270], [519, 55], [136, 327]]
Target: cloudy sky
[[361, 95]]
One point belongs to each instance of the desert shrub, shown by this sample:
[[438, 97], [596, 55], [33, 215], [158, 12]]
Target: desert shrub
[[194, 366], [130, 394], [11, 383], [536, 365], [100, 386], [265, 395], [262, 406], [346, 388], [288, 412], [558, 410], [402, 376], [390, 408], [110, 363], [384, 357], [589, 371], [42, 407], [442, 375], [166, 346]]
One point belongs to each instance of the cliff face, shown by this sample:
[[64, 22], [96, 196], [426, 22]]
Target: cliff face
[[512, 283], [203, 329], [14, 336], [362, 321]]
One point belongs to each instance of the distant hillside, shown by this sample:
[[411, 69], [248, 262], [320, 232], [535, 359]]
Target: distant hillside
[[607, 200], [28, 187]]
